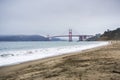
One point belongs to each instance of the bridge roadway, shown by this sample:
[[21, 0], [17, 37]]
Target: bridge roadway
[[81, 37], [72, 35]]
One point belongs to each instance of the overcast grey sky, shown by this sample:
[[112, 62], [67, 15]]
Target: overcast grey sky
[[55, 17]]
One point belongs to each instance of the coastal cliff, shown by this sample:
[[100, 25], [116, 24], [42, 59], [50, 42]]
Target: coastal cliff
[[110, 35]]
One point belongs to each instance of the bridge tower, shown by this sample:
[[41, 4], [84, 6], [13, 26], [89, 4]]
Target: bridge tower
[[85, 37], [70, 35], [48, 37], [80, 38]]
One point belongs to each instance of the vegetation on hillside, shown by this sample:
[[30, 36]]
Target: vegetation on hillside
[[111, 35]]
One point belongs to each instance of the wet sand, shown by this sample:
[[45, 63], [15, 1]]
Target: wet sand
[[101, 63]]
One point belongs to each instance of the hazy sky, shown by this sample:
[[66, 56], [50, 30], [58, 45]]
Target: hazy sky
[[55, 17]]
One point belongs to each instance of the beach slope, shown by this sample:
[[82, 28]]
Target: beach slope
[[101, 63]]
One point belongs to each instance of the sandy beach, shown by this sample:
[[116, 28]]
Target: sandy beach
[[102, 63]]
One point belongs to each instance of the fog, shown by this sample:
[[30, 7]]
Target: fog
[[55, 17]]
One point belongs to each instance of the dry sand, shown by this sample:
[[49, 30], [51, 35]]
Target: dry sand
[[101, 63]]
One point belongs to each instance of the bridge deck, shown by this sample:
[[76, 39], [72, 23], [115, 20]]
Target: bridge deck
[[72, 35]]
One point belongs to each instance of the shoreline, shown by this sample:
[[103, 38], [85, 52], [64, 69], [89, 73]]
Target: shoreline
[[63, 54], [51, 64], [36, 54]]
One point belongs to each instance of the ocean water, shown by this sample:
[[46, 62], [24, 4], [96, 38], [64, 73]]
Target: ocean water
[[18, 52]]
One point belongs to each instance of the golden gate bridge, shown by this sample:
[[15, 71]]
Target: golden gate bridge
[[70, 36]]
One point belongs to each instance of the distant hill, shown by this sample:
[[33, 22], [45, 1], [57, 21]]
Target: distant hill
[[23, 38], [111, 35], [26, 38], [94, 38]]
